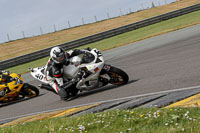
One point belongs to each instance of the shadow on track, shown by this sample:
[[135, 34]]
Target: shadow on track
[[98, 90], [17, 101]]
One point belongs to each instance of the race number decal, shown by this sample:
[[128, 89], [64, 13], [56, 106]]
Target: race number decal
[[38, 76]]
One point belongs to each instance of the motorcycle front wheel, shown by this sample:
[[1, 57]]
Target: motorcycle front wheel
[[29, 91], [118, 76]]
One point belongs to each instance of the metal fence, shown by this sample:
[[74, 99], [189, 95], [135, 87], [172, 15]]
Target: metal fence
[[97, 37], [79, 21]]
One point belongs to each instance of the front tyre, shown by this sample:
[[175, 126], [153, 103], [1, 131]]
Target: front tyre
[[118, 76], [29, 91]]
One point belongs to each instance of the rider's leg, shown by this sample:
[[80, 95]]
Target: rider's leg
[[47, 87], [59, 90]]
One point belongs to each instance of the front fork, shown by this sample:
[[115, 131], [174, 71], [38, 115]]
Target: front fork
[[106, 67], [104, 77]]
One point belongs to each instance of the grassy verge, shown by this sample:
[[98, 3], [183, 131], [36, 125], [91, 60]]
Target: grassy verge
[[129, 37], [148, 120]]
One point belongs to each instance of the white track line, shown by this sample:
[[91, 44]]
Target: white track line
[[111, 100]]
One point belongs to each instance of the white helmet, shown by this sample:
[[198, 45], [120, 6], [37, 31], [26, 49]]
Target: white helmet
[[58, 55]]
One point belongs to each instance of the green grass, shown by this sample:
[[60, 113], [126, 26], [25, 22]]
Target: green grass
[[129, 37], [24, 67], [143, 120]]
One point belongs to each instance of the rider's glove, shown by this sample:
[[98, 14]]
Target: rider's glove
[[4, 71], [88, 49], [77, 63]]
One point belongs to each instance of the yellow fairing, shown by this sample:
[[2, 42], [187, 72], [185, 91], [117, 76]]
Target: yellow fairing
[[14, 88]]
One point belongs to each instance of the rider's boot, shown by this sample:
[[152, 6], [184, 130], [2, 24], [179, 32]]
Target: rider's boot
[[63, 94]]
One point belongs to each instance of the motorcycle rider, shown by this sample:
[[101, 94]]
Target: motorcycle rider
[[54, 69], [4, 78]]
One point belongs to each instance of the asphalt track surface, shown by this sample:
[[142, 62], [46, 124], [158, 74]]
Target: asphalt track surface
[[161, 63]]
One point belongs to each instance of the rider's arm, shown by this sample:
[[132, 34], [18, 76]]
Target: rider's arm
[[5, 77], [76, 52], [4, 72]]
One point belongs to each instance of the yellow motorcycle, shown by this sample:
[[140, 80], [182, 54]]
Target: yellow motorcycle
[[16, 89]]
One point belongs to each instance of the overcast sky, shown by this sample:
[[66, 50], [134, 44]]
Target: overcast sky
[[29, 15]]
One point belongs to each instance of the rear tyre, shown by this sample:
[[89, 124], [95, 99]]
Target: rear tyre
[[118, 76], [29, 91]]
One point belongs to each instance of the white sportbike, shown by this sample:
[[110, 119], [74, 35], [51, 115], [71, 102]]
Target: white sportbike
[[85, 72]]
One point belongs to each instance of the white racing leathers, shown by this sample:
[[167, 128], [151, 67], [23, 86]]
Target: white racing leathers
[[54, 76]]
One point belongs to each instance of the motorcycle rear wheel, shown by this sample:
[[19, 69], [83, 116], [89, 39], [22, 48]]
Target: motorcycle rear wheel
[[29, 91], [118, 76]]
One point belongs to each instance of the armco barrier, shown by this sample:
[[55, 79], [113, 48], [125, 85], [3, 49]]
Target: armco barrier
[[97, 37]]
